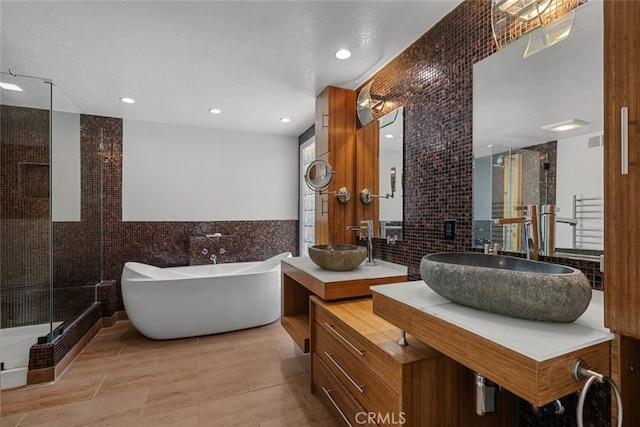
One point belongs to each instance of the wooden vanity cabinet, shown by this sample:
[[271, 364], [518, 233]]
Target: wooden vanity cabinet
[[301, 279], [622, 198], [335, 142], [363, 376], [622, 191]]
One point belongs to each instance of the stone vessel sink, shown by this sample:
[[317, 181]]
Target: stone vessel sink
[[337, 257], [509, 286]]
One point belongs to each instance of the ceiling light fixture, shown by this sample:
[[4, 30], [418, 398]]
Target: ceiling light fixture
[[550, 34], [128, 100], [10, 86], [343, 54], [363, 104], [524, 10], [389, 136], [566, 125], [285, 120], [215, 110]]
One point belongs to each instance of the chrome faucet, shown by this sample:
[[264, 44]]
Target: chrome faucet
[[368, 227], [489, 251], [529, 220], [548, 221]]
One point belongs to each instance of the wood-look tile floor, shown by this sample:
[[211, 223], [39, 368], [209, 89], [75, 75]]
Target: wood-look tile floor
[[255, 377]]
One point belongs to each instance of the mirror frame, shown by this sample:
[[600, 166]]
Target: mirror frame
[[321, 182]]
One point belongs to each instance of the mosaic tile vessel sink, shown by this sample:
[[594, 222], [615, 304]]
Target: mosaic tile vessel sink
[[509, 286], [337, 257]]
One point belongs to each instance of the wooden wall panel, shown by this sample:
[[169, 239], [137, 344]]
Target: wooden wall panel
[[622, 192], [367, 173], [336, 136]]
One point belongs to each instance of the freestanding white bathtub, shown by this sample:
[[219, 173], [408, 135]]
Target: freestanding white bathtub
[[179, 302]]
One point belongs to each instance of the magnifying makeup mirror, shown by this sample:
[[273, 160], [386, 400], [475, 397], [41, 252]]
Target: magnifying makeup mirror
[[319, 175]]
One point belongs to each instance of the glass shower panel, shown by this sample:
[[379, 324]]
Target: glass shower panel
[[50, 216], [25, 213], [76, 158]]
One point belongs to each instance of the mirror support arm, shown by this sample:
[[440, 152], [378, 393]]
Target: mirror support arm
[[343, 194], [367, 195]]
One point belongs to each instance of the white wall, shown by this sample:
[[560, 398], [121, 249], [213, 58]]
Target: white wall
[[65, 164], [579, 172], [179, 173]]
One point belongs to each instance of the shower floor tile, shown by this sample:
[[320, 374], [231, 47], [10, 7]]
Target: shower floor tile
[[255, 377]]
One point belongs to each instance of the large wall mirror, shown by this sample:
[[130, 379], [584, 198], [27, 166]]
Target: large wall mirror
[[522, 155], [390, 173]]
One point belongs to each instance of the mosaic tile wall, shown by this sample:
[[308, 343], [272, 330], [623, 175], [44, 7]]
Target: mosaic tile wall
[[50, 354], [432, 79], [25, 227], [24, 206]]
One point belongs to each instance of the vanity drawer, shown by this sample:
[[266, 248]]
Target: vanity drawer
[[335, 397], [385, 366], [356, 377]]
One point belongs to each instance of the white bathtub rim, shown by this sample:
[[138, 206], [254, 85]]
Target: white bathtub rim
[[137, 271]]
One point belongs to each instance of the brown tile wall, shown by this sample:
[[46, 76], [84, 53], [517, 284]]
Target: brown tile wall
[[24, 213], [49, 354], [25, 227], [432, 79]]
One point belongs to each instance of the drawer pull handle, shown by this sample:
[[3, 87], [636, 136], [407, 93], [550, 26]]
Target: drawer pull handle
[[344, 417], [355, 384], [325, 120], [360, 352], [624, 139]]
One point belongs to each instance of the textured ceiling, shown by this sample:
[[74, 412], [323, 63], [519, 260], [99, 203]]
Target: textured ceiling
[[257, 61]]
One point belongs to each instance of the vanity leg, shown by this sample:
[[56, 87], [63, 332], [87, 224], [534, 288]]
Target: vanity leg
[[403, 338]]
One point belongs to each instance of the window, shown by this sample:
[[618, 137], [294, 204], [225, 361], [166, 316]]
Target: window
[[307, 199]]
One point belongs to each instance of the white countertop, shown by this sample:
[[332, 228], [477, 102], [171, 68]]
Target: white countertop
[[363, 271], [539, 341]]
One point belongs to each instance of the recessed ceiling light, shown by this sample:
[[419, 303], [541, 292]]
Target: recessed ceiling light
[[566, 125], [215, 110], [285, 120], [10, 86], [343, 54], [128, 100]]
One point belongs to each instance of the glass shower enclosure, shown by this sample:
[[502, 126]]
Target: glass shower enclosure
[[51, 240]]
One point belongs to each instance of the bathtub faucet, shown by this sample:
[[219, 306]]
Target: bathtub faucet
[[214, 259], [368, 227]]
